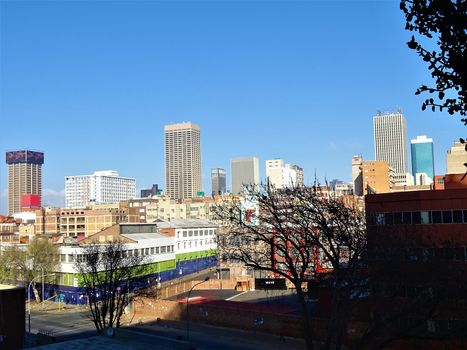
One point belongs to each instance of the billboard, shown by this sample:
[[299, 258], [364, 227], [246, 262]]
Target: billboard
[[30, 201], [30, 157]]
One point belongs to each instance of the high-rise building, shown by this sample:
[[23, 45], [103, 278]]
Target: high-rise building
[[102, 187], [218, 184], [423, 165], [24, 176], [245, 171], [455, 159], [281, 175], [182, 160], [391, 143]]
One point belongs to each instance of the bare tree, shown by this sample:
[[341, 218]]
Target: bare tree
[[294, 233], [109, 274]]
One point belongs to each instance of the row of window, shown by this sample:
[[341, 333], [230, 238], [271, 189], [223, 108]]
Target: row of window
[[71, 258], [420, 254], [196, 233], [196, 243], [419, 217]]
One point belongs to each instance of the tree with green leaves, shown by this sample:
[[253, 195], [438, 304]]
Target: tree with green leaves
[[29, 263], [442, 24]]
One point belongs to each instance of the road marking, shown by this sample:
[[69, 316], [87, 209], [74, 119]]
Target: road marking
[[236, 295]]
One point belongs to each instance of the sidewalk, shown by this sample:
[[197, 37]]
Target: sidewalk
[[52, 306], [207, 336]]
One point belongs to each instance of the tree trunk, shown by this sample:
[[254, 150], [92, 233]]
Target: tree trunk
[[307, 320], [36, 293]]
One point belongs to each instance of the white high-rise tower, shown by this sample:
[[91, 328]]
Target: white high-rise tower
[[391, 143]]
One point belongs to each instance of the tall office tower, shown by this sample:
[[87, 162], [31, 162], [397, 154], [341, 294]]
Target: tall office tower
[[245, 171], [182, 160], [24, 176], [423, 165], [218, 184], [391, 143], [102, 187], [455, 159], [357, 175]]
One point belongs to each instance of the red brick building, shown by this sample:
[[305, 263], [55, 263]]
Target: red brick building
[[418, 262]]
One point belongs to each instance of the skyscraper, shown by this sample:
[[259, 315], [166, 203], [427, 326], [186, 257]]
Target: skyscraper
[[182, 160], [24, 176], [455, 159], [391, 143], [245, 171], [218, 184], [422, 160], [102, 187]]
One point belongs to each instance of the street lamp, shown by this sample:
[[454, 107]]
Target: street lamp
[[29, 298], [187, 308]]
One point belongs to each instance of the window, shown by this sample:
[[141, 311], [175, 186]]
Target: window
[[425, 217], [407, 218], [447, 217], [190, 233], [184, 234], [436, 217], [163, 250], [71, 258], [389, 219], [397, 218], [62, 258], [152, 251], [157, 250], [457, 216], [416, 218], [146, 251]]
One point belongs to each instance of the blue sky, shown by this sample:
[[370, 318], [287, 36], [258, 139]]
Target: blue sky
[[92, 83]]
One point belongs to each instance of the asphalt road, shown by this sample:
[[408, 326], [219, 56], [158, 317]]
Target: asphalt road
[[64, 325]]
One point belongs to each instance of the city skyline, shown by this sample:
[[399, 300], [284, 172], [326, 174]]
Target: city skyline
[[97, 97]]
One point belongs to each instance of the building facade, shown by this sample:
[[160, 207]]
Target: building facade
[[218, 181], [84, 222], [423, 164], [376, 176], [455, 159], [417, 249], [102, 187], [153, 191], [169, 250], [281, 175], [182, 160], [24, 176], [245, 172], [391, 143]]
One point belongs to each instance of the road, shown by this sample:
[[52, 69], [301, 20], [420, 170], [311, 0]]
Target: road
[[64, 325], [207, 337], [76, 324]]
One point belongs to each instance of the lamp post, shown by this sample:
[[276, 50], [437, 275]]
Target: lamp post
[[29, 298], [187, 308]]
